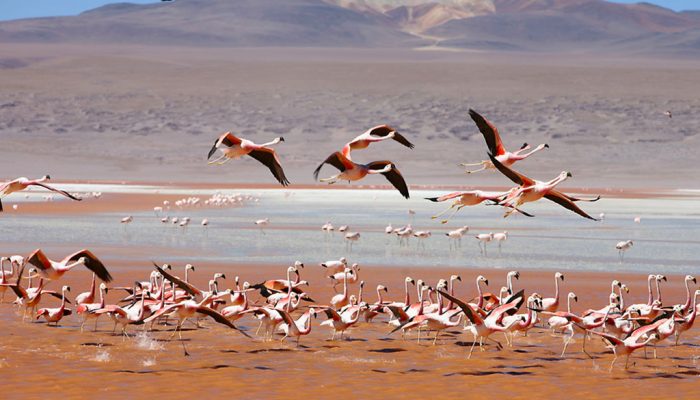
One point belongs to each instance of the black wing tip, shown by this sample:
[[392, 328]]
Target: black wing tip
[[433, 199]]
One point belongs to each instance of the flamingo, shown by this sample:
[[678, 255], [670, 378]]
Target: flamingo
[[483, 328], [524, 322], [352, 171], [551, 304], [262, 223], [532, 190], [483, 239], [463, 199], [233, 147], [404, 234], [19, 184], [374, 135], [335, 266], [389, 229], [55, 270], [342, 322], [189, 309], [125, 316], [377, 307], [341, 276], [341, 300], [421, 236], [5, 276], [86, 309], [456, 236], [495, 145], [500, 237], [622, 247], [351, 237], [56, 314], [685, 323], [624, 347], [89, 296], [557, 322], [687, 280], [298, 328]]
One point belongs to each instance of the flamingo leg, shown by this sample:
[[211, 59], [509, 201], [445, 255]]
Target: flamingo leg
[[472, 348], [444, 212], [444, 221], [612, 364]]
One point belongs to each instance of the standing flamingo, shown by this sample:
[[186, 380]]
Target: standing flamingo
[[56, 314], [551, 304], [622, 247]]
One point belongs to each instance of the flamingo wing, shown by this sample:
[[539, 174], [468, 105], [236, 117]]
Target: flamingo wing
[[332, 314], [61, 192], [286, 317], [385, 130], [490, 132], [226, 139], [511, 174], [93, 264], [473, 317], [269, 158], [571, 198], [510, 305], [189, 289], [393, 176], [568, 204], [39, 260], [448, 196], [216, 316], [610, 338], [337, 160]]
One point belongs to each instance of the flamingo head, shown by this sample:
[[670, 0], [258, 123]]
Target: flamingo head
[[65, 288], [343, 260], [573, 296], [481, 278], [189, 266], [455, 277], [410, 280], [219, 275], [103, 286], [559, 275], [298, 264], [382, 287], [625, 288], [691, 278], [661, 278]]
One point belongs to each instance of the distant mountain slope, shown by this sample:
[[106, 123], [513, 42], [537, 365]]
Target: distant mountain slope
[[215, 23], [523, 25]]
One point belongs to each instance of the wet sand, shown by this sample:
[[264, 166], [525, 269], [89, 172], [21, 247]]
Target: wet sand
[[36, 358]]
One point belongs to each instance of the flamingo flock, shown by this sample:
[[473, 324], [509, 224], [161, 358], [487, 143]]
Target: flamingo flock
[[285, 306]]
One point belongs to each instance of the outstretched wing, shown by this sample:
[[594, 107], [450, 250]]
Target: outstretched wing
[[394, 176], [337, 160], [490, 132], [566, 203], [511, 174], [216, 316], [385, 130], [39, 260], [269, 158], [62, 192], [472, 316], [226, 139], [571, 198], [92, 263], [178, 282]]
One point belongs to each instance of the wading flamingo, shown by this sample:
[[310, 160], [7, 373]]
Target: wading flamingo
[[622, 247], [56, 314]]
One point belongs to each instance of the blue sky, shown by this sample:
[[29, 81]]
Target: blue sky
[[14, 9]]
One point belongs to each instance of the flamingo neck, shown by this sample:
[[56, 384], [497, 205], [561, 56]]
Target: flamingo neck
[[651, 295], [658, 290], [379, 296], [2, 270], [102, 298], [687, 297], [407, 298], [568, 305], [480, 303], [556, 290], [622, 300]]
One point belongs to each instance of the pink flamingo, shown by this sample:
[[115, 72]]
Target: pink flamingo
[[532, 190], [495, 145], [56, 314], [298, 328], [341, 322], [374, 135], [86, 309], [233, 147], [687, 322], [55, 270], [352, 171], [624, 347], [464, 199], [19, 184], [551, 304]]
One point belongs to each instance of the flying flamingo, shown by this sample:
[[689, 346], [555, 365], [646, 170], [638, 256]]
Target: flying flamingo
[[373, 135], [55, 270], [495, 145], [233, 147], [463, 199], [352, 171], [56, 314], [622, 247], [532, 190], [22, 183]]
